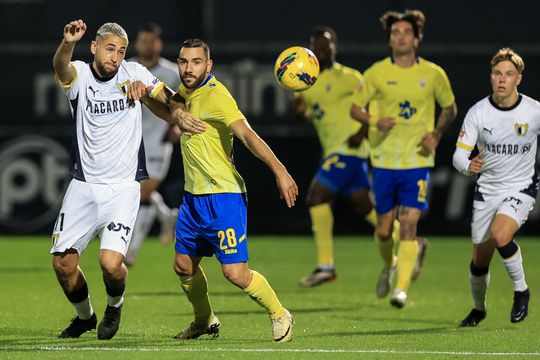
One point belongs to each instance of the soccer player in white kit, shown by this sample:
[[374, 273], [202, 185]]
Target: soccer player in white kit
[[504, 127], [157, 136], [108, 162]]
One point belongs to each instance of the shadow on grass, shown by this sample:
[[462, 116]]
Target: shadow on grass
[[432, 330]]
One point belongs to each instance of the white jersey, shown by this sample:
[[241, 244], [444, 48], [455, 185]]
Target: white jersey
[[107, 146], [154, 128], [507, 138]]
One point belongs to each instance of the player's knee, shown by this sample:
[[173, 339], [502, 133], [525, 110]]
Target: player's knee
[[63, 267], [384, 233], [500, 235], [237, 276], [182, 269], [111, 269]]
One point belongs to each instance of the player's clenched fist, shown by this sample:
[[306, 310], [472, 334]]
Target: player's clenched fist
[[74, 31]]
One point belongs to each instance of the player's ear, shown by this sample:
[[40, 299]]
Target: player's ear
[[93, 47], [209, 65], [520, 76]]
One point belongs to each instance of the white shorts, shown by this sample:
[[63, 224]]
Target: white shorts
[[516, 205], [107, 210], [158, 160]]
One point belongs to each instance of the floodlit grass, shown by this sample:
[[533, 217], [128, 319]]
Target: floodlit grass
[[343, 319]]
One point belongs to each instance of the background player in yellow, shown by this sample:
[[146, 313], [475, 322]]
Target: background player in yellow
[[344, 166], [403, 136], [213, 216]]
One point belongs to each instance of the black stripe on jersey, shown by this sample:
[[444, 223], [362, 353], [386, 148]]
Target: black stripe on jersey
[[477, 194], [141, 173], [532, 190], [75, 168], [516, 104]]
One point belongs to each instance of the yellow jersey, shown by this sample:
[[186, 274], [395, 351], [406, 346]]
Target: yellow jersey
[[207, 157], [408, 95], [328, 105]]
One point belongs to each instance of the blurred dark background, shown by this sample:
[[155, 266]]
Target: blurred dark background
[[245, 38]]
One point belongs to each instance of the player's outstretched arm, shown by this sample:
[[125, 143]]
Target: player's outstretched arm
[[159, 105], [73, 32], [288, 190]]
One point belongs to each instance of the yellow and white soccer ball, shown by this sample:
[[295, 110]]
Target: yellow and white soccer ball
[[296, 68]]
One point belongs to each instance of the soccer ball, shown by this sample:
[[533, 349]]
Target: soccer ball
[[296, 68]]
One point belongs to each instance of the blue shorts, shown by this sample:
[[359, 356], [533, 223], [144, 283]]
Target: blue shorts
[[343, 174], [400, 187], [213, 224]]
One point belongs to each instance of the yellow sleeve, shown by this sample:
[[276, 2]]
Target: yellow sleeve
[[366, 90], [443, 91], [227, 107]]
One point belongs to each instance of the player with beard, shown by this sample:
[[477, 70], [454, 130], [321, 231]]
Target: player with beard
[[213, 215], [107, 163]]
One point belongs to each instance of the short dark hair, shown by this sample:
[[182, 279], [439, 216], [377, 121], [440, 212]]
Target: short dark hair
[[507, 54], [195, 43], [415, 17], [323, 30], [151, 28]]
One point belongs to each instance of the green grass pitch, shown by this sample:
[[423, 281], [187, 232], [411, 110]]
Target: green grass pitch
[[340, 320]]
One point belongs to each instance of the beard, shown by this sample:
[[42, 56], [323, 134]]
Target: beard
[[196, 83], [105, 73]]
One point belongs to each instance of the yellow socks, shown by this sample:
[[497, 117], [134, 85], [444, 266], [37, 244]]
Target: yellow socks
[[407, 254], [196, 289], [385, 250], [322, 221], [372, 218], [262, 293]]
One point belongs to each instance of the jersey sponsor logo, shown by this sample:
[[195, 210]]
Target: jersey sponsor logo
[[106, 107], [508, 149], [117, 227], [406, 110], [521, 129], [390, 82]]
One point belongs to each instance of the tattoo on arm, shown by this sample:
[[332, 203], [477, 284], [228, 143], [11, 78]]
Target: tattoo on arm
[[446, 117]]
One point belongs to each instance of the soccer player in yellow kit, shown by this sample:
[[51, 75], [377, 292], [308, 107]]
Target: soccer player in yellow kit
[[344, 166], [213, 216], [403, 136]]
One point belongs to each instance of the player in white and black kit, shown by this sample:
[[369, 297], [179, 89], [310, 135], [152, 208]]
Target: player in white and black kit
[[504, 127], [108, 161], [158, 137]]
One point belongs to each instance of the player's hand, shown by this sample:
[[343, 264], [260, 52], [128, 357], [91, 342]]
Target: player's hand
[[288, 190], [430, 141], [476, 163], [188, 124], [138, 90], [74, 31], [385, 124]]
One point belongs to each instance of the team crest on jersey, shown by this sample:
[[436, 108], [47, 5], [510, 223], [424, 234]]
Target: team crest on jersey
[[422, 83], [123, 87], [521, 129], [406, 110]]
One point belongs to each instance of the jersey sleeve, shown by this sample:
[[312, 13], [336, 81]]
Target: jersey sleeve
[[72, 89], [148, 79], [365, 90], [443, 90], [227, 107]]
